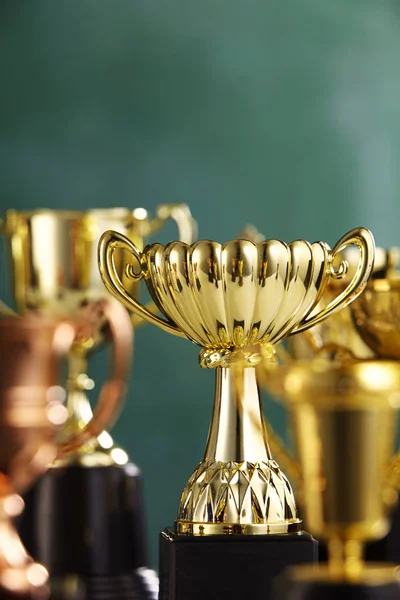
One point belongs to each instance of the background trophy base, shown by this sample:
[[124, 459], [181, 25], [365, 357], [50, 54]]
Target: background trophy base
[[228, 567], [140, 585], [331, 591], [89, 521]]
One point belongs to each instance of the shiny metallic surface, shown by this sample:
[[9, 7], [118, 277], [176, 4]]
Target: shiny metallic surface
[[238, 487], [344, 422], [377, 316], [237, 294], [368, 327], [55, 274], [236, 301]]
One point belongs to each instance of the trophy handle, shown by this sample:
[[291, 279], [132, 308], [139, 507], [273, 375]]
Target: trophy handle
[[364, 240], [114, 389], [187, 232], [109, 242], [180, 213]]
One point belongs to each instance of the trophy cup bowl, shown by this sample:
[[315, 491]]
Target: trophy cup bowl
[[31, 414], [344, 425], [377, 317]]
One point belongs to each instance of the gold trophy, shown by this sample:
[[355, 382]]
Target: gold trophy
[[344, 423], [31, 414], [236, 301], [54, 267]]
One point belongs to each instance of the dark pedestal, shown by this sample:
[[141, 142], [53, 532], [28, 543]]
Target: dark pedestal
[[89, 521], [228, 567], [330, 591]]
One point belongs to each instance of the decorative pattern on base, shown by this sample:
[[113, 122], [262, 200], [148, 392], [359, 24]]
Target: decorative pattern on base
[[233, 497]]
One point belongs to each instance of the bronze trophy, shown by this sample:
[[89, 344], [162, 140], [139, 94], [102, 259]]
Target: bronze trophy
[[53, 258], [236, 301], [31, 415]]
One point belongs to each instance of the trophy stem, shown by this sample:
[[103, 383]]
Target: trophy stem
[[78, 405], [346, 557], [238, 432], [237, 488], [100, 451]]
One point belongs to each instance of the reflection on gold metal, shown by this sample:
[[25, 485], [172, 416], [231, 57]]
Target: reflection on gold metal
[[377, 313], [31, 413], [344, 422], [54, 266], [236, 301]]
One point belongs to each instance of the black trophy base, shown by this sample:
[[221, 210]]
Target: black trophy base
[[86, 521], [342, 591], [228, 567], [142, 584]]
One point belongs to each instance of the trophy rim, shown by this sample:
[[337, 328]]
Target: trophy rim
[[197, 529], [70, 214], [349, 385]]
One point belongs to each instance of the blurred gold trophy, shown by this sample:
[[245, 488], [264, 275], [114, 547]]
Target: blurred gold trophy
[[31, 413], [54, 267], [236, 301], [55, 273], [344, 425]]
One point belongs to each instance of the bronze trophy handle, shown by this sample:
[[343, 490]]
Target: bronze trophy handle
[[114, 389]]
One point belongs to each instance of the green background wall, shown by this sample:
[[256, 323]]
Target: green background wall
[[284, 114]]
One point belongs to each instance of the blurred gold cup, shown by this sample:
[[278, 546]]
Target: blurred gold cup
[[55, 274], [344, 422]]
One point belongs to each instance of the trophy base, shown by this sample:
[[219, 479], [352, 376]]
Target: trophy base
[[344, 591], [376, 582], [86, 520], [228, 567], [142, 584]]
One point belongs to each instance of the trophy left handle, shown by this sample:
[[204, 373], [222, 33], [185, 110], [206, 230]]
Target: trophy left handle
[[113, 390], [180, 213], [109, 242], [364, 240]]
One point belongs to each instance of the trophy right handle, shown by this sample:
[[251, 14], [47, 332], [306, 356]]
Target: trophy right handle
[[364, 240], [109, 242], [114, 389]]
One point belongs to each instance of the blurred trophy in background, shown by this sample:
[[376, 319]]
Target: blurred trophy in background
[[236, 301], [368, 328], [344, 424], [86, 515], [31, 414]]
